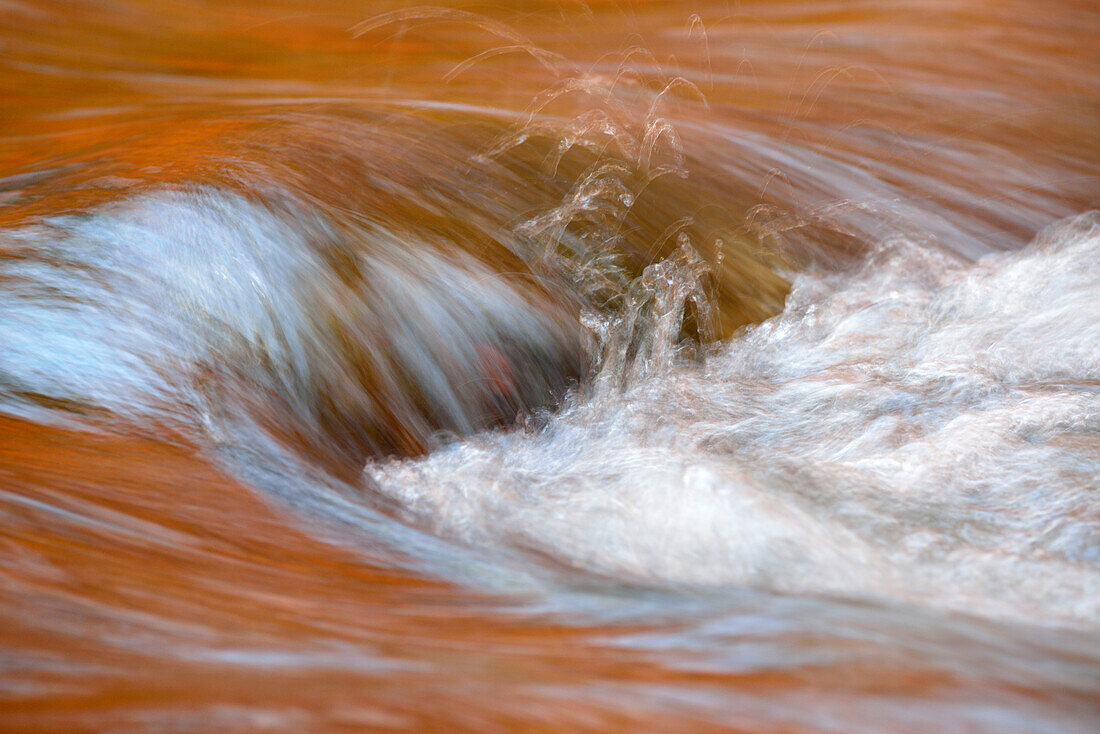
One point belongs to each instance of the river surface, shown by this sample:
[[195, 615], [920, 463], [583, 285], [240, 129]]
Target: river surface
[[550, 366]]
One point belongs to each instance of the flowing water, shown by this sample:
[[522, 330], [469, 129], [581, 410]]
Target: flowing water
[[572, 366]]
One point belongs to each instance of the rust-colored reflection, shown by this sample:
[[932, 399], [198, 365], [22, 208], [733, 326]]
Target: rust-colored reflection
[[144, 589], [151, 579]]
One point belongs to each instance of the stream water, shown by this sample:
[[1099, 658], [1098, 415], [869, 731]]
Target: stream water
[[579, 366]]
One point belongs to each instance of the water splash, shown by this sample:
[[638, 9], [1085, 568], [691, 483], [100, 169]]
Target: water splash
[[920, 430]]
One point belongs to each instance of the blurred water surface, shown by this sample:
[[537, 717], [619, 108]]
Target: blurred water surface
[[550, 366]]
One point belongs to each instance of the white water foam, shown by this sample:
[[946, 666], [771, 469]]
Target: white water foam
[[114, 309], [143, 308], [920, 431]]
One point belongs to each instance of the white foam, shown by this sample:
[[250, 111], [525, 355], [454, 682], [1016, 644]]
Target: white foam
[[922, 430]]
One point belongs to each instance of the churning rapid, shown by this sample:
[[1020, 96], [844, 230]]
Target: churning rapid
[[550, 366]]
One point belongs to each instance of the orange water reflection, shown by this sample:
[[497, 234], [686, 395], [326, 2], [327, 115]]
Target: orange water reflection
[[141, 588]]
